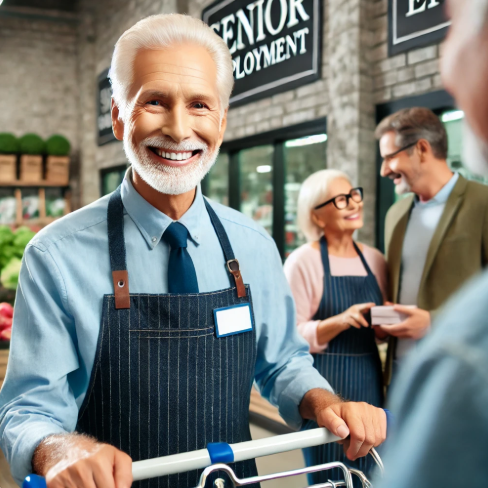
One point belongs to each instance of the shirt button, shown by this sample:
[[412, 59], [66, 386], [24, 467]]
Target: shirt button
[[154, 239], [196, 238]]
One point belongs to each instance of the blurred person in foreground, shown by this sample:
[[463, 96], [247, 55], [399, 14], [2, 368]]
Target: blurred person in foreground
[[166, 375], [441, 396], [335, 282], [437, 236]]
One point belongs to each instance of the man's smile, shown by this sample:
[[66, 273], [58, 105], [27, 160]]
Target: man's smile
[[175, 158]]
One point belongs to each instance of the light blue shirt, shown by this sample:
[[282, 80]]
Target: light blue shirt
[[65, 273], [422, 224], [441, 402]]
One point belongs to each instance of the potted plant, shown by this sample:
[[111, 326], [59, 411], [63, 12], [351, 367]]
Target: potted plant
[[9, 147], [31, 148], [57, 149]]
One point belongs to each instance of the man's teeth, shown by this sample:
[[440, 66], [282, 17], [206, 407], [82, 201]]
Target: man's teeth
[[174, 156]]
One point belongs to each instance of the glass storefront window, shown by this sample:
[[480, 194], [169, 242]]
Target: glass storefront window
[[453, 121], [217, 181], [112, 178], [256, 175], [302, 157]]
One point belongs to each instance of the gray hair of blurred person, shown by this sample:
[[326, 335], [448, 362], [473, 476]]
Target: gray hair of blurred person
[[313, 192], [412, 124], [159, 32]]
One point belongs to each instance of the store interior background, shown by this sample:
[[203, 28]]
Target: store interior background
[[53, 52]]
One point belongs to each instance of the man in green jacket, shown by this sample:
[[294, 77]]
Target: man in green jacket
[[437, 236]]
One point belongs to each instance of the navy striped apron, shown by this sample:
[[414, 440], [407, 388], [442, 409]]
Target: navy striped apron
[[162, 382], [351, 362]]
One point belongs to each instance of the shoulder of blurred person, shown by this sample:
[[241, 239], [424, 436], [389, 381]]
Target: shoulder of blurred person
[[440, 400]]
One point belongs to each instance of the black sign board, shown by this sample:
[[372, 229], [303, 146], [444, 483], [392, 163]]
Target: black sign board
[[275, 44], [415, 23], [104, 118]]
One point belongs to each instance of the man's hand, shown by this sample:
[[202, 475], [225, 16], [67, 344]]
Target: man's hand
[[364, 424], [415, 326], [79, 461]]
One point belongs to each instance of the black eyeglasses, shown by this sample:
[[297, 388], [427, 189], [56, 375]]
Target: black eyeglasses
[[342, 201], [404, 148]]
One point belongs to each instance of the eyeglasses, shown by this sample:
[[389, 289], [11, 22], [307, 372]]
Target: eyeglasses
[[404, 148], [342, 201]]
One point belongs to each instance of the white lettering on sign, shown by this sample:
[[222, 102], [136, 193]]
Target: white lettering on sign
[[415, 7], [296, 5], [283, 15], [278, 51], [228, 32]]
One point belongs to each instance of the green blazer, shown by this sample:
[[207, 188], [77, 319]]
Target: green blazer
[[458, 250]]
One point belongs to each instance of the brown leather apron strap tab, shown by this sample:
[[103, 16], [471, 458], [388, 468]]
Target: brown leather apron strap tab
[[233, 267], [121, 289]]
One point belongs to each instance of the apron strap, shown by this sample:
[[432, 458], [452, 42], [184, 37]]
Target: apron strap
[[371, 276], [116, 248], [231, 262]]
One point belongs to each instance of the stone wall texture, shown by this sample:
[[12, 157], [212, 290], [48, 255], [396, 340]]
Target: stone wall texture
[[412, 73]]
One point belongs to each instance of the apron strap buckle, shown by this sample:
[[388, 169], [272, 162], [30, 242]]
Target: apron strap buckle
[[121, 289], [234, 269]]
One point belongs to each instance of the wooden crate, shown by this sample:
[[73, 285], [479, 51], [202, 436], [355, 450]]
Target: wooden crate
[[31, 168], [8, 168], [3, 364], [57, 170]]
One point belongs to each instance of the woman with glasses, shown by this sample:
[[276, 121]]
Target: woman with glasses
[[335, 281]]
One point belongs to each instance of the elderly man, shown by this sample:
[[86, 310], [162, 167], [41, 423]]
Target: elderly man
[[99, 374], [441, 396]]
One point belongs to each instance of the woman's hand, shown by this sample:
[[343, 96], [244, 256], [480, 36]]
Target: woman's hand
[[353, 316]]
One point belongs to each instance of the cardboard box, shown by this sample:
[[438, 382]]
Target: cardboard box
[[8, 168], [57, 170], [31, 168]]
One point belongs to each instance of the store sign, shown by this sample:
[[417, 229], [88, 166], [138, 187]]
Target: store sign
[[275, 44], [415, 23], [104, 102]]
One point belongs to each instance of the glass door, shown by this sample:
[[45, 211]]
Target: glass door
[[256, 177], [302, 157]]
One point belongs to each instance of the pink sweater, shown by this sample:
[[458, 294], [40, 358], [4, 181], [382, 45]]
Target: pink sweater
[[305, 274]]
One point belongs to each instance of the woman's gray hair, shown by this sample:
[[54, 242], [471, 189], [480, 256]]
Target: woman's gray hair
[[313, 192], [161, 31]]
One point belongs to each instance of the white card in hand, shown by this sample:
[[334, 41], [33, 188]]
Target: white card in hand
[[387, 316], [233, 320]]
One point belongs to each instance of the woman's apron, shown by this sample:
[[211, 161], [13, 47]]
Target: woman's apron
[[162, 382], [351, 362]]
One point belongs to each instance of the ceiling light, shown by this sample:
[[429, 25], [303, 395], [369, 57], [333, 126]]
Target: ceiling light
[[452, 116], [265, 168], [305, 141]]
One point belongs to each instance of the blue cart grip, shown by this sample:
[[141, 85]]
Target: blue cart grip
[[390, 420], [34, 481]]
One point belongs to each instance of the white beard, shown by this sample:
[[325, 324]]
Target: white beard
[[403, 187], [168, 179], [475, 152]]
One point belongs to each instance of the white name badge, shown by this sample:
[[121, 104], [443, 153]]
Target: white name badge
[[233, 320]]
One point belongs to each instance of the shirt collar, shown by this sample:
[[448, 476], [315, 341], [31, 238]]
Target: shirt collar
[[151, 222], [442, 195]]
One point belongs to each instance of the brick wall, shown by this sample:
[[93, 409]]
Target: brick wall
[[38, 77], [406, 74]]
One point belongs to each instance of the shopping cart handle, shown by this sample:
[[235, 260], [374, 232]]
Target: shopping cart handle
[[221, 452]]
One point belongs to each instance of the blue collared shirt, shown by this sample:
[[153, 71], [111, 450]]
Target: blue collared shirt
[[66, 272]]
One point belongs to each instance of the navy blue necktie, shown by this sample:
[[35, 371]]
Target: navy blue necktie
[[182, 277]]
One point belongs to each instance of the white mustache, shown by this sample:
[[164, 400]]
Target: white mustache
[[173, 146]]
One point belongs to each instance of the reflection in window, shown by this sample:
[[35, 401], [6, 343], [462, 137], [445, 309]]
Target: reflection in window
[[217, 181], [303, 157], [453, 121], [112, 178], [256, 173]]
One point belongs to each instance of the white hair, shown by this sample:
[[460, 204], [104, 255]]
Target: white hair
[[313, 192], [479, 14], [161, 31]]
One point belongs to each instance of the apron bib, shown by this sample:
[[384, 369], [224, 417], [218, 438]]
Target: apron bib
[[351, 362], [162, 382]]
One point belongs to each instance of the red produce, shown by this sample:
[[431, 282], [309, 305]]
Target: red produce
[[6, 334], [5, 323], [6, 310]]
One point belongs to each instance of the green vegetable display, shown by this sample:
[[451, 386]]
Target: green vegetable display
[[10, 274], [57, 146], [9, 144], [12, 246], [32, 144]]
